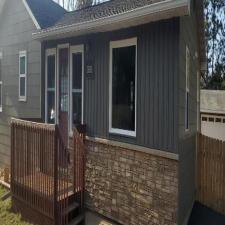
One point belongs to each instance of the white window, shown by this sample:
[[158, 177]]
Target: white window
[[22, 76], [50, 86], [76, 85], [123, 87], [187, 89]]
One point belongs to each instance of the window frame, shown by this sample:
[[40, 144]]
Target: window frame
[[1, 84], [23, 98], [121, 44], [49, 52], [75, 49], [187, 90]]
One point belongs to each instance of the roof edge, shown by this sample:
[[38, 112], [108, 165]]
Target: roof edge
[[91, 26], [31, 15]]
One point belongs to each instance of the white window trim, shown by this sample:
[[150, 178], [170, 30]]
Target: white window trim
[[1, 84], [61, 46], [121, 44], [49, 52], [75, 49], [23, 54], [187, 89]]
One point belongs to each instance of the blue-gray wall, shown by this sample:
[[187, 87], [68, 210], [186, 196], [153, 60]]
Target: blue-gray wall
[[158, 56], [16, 28], [187, 139]]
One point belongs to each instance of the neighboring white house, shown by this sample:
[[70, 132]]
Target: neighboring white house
[[213, 113]]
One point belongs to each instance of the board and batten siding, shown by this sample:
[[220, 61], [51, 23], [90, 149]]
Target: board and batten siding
[[157, 83], [16, 28], [187, 139]]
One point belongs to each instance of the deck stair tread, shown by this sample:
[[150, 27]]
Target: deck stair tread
[[77, 220]]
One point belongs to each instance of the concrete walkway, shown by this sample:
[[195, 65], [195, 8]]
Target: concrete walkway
[[94, 219]]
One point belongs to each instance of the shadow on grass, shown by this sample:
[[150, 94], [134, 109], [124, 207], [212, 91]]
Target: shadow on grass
[[7, 216]]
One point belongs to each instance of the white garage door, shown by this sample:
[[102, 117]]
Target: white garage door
[[213, 126]]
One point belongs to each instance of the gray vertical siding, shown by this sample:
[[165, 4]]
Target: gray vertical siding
[[157, 87], [187, 140], [16, 28]]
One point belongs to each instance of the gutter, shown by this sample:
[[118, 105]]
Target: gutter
[[167, 6]]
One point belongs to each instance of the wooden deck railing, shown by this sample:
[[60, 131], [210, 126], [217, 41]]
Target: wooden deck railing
[[211, 172], [40, 169], [79, 164]]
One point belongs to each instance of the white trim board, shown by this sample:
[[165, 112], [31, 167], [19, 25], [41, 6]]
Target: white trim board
[[31, 15]]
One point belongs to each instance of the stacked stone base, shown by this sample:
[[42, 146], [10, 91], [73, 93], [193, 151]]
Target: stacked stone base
[[131, 187]]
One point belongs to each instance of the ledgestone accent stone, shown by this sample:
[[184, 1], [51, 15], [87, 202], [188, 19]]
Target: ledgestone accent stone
[[131, 187]]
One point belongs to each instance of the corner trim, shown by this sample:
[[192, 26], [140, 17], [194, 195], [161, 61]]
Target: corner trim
[[186, 220], [155, 152], [31, 15]]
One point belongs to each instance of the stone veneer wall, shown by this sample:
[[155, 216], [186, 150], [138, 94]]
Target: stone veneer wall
[[131, 187]]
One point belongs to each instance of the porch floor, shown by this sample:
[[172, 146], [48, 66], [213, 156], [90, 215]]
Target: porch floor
[[38, 182]]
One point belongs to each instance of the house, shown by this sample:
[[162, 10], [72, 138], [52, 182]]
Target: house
[[129, 71], [213, 113], [20, 63]]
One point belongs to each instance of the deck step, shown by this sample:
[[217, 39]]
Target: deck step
[[77, 220], [71, 207]]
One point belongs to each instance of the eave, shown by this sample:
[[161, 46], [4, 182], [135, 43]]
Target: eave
[[154, 12]]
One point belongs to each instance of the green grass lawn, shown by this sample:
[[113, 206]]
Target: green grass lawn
[[7, 217]]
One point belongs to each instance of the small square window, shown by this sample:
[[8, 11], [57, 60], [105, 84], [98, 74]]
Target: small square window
[[211, 119], [218, 120]]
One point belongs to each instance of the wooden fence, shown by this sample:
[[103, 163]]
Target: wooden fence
[[211, 173]]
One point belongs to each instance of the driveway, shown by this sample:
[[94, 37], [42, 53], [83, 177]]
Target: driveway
[[202, 215]]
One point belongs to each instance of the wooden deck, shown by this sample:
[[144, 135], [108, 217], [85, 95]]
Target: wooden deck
[[38, 181], [43, 179]]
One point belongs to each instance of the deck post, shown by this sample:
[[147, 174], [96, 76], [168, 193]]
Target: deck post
[[55, 177]]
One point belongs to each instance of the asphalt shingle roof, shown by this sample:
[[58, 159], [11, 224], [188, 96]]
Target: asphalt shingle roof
[[103, 10], [46, 12]]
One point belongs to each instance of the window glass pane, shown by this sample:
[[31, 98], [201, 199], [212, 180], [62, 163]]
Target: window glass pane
[[22, 86], [77, 71], [77, 108], [123, 88], [51, 107], [63, 79], [22, 65], [51, 71]]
